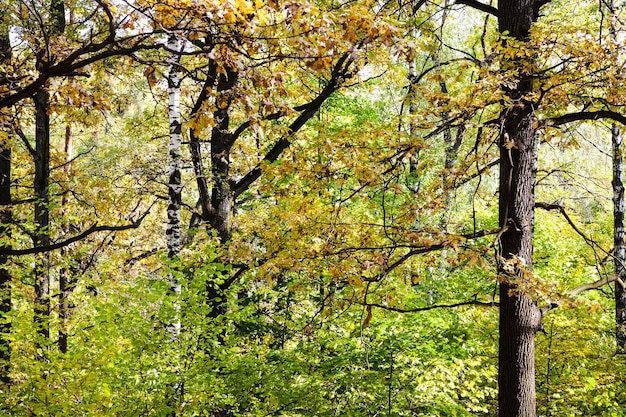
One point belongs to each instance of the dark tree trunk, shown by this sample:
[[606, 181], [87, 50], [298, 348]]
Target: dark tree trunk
[[520, 318], [42, 210], [618, 239], [5, 276], [222, 197], [42, 178], [65, 273], [5, 220]]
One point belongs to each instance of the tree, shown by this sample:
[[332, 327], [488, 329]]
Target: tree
[[304, 243], [5, 220], [173, 231], [619, 245], [41, 158], [520, 317]]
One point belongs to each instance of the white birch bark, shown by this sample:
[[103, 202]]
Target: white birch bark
[[618, 238], [174, 184], [619, 245]]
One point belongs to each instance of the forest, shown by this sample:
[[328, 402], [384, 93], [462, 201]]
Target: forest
[[312, 208]]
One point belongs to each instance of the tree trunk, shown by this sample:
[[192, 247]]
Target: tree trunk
[[222, 197], [452, 146], [64, 273], [619, 249], [42, 212], [173, 231], [618, 239], [414, 180], [520, 318], [42, 178], [5, 276], [5, 220]]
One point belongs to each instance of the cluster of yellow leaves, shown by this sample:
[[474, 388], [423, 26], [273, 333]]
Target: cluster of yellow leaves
[[172, 13]]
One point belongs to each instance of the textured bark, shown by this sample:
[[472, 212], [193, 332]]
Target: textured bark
[[173, 231], [452, 145], [65, 273], [414, 178], [5, 277], [222, 141], [618, 238], [5, 219], [520, 318], [57, 14], [42, 176], [5, 47], [195, 148], [619, 249], [42, 212]]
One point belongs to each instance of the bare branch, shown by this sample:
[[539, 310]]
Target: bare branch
[[596, 285], [93, 229], [479, 6], [585, 115], [476, 174], [435, 306], [308, 110], [430, 248], [561, 209]]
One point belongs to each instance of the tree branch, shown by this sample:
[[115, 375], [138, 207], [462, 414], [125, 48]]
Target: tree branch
[[93, 229], [308, 110], [433, 307], [561, 209], [595, 285], [585, 115], [430, 248], [73, 63], [479, 6]]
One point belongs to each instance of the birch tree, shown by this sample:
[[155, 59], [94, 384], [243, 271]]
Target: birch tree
[[619, 245], [174, 183], [173, 231]]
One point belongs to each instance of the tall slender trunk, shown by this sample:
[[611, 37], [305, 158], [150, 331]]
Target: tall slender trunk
[[64, 273], [5, 220], [414, 178], [619, 249], [222, 197], [452, 145], [42, 178], [42, 211], [619, 246], [5, 276], [520, 318], [173, 231]]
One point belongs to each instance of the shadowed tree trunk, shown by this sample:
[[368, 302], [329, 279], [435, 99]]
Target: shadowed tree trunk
[[65, 273], [5, 219], [5, 276], [42, 212], [41, 181], [520, 318]]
